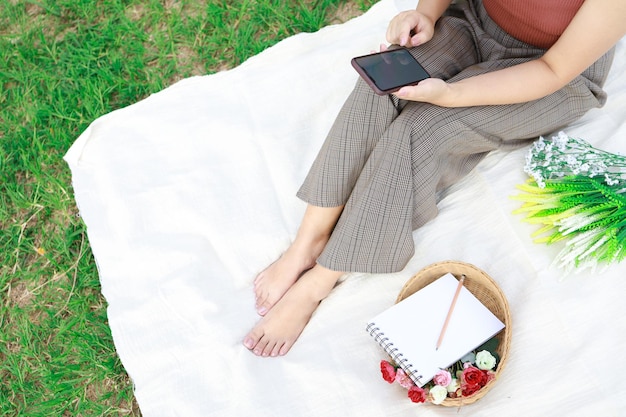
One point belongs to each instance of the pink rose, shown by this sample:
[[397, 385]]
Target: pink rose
[[472, 380], [388, 371], [442, 378], [417, 394], [403, 379]]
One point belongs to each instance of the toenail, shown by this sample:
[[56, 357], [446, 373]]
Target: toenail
[[262, 310], [248, 343]]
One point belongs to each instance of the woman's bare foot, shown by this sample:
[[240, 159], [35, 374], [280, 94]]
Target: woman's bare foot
[[313, 234], [275, 333], [271, 284]]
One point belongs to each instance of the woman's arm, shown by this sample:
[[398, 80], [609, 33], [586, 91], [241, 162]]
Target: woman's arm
[[415, 27], [596, 27]]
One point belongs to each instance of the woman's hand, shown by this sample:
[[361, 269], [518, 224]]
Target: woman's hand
[[410, 28], [430, 90]]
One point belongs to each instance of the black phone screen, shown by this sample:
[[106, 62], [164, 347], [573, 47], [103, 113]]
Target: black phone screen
[[392, 69]]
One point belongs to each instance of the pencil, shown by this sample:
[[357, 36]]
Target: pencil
[[445, 324]]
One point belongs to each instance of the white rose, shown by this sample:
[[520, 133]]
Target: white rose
[[438, 394], [485, 360], [453, 385]]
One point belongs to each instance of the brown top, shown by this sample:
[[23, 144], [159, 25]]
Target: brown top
[[536, 22]]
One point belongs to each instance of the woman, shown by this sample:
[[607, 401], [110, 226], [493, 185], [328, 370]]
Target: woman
[[503, 73]]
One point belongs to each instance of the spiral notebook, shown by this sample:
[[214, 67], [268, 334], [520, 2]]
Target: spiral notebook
[[409, 330]]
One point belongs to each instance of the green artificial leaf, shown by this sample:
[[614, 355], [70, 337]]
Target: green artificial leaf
[[490, 345], [495, 355]]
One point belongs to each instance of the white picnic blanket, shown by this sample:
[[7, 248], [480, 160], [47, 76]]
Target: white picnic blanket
[[189, 193]]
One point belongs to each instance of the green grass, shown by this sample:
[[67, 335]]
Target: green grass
[[63, 63]]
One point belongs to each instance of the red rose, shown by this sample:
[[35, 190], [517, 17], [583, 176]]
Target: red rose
[[417, 394], [472, 380], [468, 390], [388, 371]]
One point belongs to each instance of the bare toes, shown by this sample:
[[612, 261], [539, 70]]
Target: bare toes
[[252, 339], [261, 346], [276, 350], [269, 349], [285, 348], [263, 307], [259, 278]]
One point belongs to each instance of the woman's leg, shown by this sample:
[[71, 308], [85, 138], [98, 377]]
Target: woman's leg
[[287, 301], [365, 117], [426, 149], [315, 229]]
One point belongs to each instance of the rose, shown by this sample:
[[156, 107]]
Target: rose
[[403, 379], [468, 390], [442, 378], [473, 376], [388, 371], [472, 379], [454, 385], [417, 394], [438, 394], [485, 360]]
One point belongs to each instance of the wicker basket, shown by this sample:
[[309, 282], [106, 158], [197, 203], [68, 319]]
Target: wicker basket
[[487, 291]]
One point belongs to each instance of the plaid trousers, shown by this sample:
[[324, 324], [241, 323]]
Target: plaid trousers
[[387, 160]]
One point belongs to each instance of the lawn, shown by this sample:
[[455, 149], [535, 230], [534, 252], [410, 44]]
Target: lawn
[[64, 63]]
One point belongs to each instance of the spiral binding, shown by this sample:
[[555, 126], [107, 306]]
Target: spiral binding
[[396, 356]]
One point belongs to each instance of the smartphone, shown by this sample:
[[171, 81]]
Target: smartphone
[[389, 70]]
